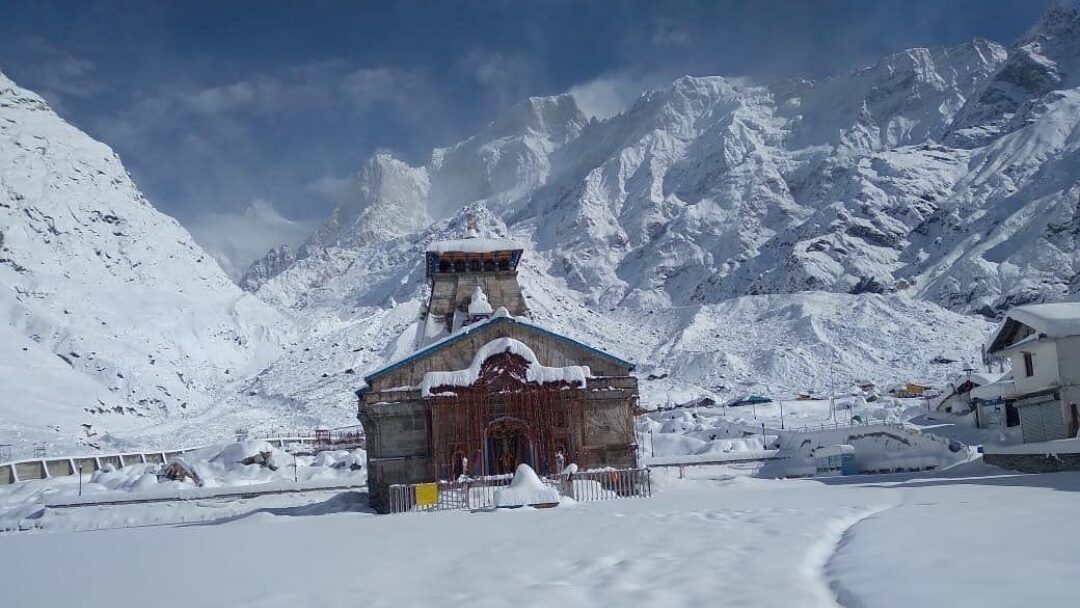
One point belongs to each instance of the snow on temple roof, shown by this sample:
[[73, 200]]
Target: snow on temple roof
[[479, 304], [1057, 320], [576, 375], [477, 245], [501, 316]]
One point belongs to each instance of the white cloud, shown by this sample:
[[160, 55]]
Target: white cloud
[[409, 91], [236, 240], [507, 77], [610, 94], [215, 100], [310, 86]]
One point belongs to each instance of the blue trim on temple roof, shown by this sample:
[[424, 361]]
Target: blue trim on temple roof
[[494, 320]]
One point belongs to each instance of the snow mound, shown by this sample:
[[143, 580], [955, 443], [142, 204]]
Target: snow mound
[[526, 489]]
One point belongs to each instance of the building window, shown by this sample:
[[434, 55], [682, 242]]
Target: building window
[[1029, 365]]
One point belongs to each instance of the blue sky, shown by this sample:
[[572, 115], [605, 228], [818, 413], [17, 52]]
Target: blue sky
[[246, 120]]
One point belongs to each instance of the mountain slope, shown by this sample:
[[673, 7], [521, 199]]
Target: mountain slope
[[112, 317]]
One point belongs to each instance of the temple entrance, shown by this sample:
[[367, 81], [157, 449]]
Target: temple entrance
[[508, 445]]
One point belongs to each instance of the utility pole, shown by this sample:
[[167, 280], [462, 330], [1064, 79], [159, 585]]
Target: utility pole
[[832, 387]]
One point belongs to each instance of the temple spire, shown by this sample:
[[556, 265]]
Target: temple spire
[[472, 225]]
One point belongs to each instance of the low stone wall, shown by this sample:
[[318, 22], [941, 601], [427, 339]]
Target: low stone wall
[[1035, 463]]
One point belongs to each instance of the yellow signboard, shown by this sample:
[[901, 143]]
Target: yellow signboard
[[427, 494]]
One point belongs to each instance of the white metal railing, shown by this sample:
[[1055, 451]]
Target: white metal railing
[[477, 494]]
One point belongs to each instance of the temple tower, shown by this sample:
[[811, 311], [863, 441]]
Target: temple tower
[[471, 271]]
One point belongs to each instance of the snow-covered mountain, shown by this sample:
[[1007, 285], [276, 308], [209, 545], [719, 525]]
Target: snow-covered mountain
[[711, 189], [504, 162], [111, 318], [726, 236], [881, 215]]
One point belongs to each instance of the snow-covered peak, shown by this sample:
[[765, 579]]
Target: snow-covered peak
[[908, 97], [1046, 59], [391, 202], [508, 159], [556, 118], [1059, 21]]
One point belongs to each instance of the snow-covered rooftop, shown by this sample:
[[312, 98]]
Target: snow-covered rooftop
[[500, 316], [995, 390], [1056, 320], [976, 378], [477, 245], [576, 375]]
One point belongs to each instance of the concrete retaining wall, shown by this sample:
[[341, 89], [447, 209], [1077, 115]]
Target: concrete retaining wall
[[43, 468], [59, 468], [1035, 463], [880, 448]]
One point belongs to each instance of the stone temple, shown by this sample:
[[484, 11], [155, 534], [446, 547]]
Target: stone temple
[[487, 389]]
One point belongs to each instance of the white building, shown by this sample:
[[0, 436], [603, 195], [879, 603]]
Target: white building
[[956, 398], [992, 406], [1043, 343]]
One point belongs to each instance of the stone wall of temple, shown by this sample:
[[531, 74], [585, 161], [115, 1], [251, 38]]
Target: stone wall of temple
[[452, 291], [396, 425]]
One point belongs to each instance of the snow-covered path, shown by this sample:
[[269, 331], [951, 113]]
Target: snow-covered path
[[740, 542], [1008, 540]]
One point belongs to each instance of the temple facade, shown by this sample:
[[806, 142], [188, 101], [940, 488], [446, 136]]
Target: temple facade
[[488, 389]]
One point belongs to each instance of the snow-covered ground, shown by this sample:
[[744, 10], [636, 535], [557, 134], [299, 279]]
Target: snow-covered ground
[[888, 434], [898, 540]]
